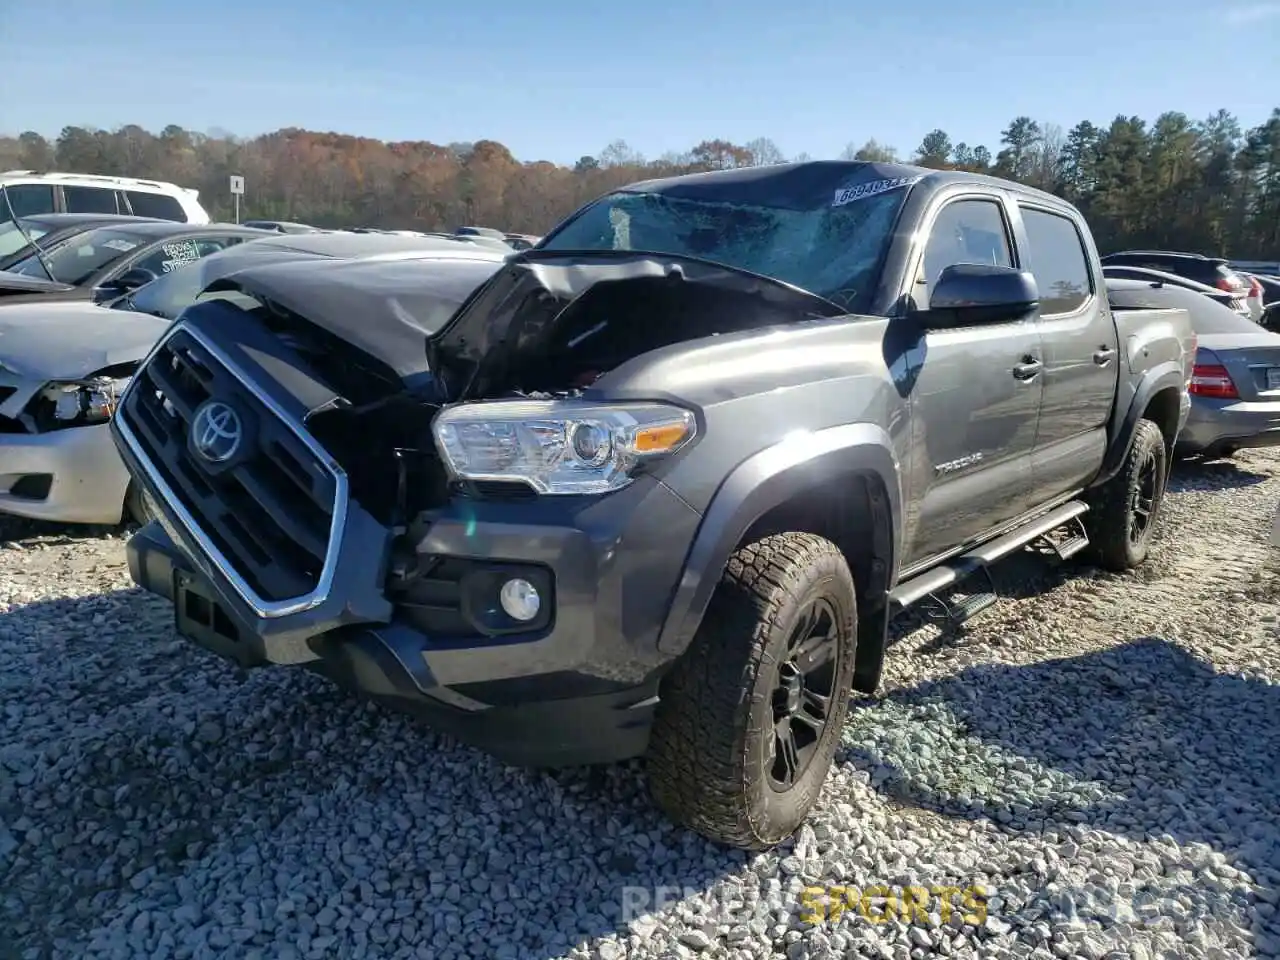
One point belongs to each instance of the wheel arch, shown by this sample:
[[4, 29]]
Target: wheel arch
[[1158, 397], [842, 483]]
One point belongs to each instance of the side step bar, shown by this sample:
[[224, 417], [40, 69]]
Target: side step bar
[[951, 572]]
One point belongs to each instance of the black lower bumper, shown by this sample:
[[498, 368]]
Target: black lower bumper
[[553, 718]]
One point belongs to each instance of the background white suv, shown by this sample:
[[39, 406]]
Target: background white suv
[[32, 193]]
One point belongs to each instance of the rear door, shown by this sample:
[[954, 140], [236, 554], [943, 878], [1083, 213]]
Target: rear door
[[1081, 349], [974, 409]]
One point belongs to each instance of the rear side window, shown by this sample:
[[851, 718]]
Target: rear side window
[[158, 205], [29, 199], [1201, 271], [1056, 258], [89, 200], [208, 245]]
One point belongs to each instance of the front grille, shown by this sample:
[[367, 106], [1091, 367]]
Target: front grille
[[270, 511]]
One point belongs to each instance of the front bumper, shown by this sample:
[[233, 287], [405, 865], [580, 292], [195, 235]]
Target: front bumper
[[1214, 426], [582, 689], [70, 476], [274, 559]]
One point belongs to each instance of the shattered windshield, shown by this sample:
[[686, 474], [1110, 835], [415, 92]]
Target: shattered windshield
[[831, 250]]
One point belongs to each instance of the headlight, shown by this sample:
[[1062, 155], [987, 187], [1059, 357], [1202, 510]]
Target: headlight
[[558, 446], [82, 402]]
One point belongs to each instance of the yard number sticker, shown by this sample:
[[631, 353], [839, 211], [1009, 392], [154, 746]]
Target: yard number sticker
[[179, 255], [871, 189]]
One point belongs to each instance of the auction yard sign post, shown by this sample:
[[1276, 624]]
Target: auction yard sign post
[[237, 188]]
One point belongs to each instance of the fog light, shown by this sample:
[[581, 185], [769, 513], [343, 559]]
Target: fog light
[[519, 598]]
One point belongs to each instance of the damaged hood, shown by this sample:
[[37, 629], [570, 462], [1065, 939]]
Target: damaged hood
[[386, 309], [517, 310], [68, 340]]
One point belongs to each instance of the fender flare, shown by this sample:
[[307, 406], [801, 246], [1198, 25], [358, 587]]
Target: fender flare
[[766, 480], [1163, 376]]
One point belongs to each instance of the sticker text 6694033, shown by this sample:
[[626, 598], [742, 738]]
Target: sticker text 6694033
[[870, 189]]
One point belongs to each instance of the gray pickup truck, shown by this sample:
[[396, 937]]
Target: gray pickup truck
[[656, 486]]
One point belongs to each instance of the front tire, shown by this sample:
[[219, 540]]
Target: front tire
[[751, 716], [1124, 511]]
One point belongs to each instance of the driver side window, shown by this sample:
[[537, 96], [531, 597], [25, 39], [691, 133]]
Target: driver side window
[[175, 254], [965, 231]]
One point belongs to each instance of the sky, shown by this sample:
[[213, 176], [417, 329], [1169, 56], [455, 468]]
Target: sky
[[555, 79]]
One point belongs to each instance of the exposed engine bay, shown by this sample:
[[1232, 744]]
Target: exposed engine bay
[[541, 328], [561, 324], [73, 403]]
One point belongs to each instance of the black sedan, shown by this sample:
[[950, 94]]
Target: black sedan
[[106, 262], [50, 229]]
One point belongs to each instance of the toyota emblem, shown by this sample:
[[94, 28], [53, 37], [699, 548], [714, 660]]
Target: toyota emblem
[[216, 432]]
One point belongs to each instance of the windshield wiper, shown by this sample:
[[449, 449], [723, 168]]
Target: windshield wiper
[[25, 235]]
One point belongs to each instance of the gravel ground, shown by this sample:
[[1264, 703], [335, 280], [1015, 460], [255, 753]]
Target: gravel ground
[[1097, 753]]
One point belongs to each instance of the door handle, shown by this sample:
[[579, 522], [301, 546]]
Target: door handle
[[1102, 356], [1027, 369]]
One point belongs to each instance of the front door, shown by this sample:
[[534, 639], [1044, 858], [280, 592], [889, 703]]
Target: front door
[[976, 397], [1081, 352]]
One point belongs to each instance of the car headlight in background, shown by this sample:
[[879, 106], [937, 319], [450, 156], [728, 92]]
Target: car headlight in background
[[69, 403], [558, 446]]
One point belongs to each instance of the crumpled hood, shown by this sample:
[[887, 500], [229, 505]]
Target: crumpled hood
[[65, 341], [519, 309], [386, 309]]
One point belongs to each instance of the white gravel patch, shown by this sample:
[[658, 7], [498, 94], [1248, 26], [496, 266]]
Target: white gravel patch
[[1098, 753]]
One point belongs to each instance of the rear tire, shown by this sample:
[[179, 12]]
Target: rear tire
[[751, 715], [1124, 510]]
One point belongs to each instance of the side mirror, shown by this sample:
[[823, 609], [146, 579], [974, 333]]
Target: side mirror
[[128, 281], [974, 293], [133, 279], [105, 292]]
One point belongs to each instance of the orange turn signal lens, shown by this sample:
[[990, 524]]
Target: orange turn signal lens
[[661, 437]]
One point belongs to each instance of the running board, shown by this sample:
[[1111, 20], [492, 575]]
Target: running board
[[952, 571], [1071, 540], [959, 612]]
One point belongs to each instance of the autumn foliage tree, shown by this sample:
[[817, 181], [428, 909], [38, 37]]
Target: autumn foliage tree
[[1206, 185]]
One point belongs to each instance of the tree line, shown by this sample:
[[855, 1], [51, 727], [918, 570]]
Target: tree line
[[1210, 186]]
